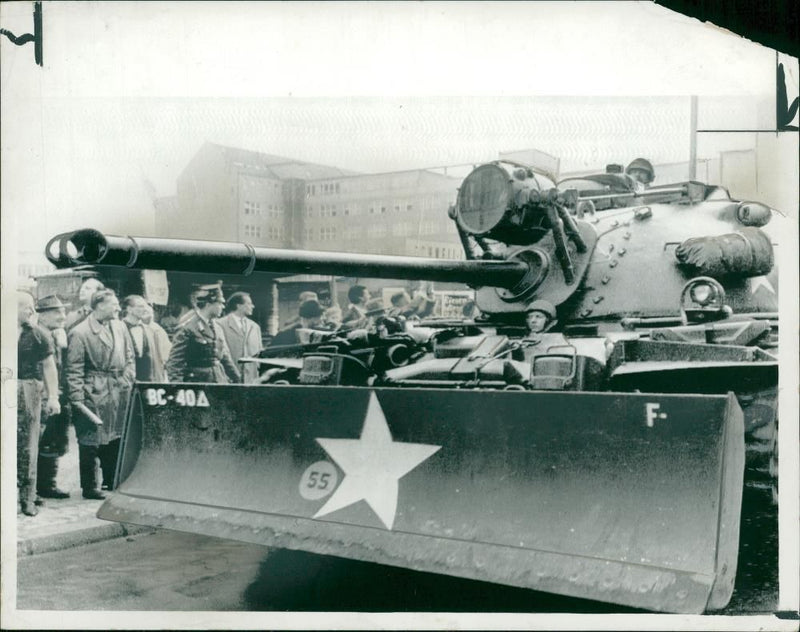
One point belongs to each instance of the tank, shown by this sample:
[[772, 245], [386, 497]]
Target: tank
[[597, 452]]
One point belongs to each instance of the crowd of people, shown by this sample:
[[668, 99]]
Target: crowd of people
[[78, 367]]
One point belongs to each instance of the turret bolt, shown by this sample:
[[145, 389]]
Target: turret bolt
[[586, 312], [613, 263], [615, 223], [605, 279], [610, 247], [627, 235], [621, 252], [597, 299]]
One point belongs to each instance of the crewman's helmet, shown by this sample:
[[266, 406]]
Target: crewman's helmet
[[643, 165], [546, 307]]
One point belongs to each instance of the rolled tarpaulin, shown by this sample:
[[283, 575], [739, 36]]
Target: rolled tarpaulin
[[747, 253]]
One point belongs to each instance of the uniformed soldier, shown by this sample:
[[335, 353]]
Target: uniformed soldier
[[540, 316], [199, 352], [641, 170], [36, 368], [54, 439]]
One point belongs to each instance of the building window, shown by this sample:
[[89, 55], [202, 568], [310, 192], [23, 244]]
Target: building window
[[409, 208], [275, 232], [252, 231], [327, 233], [309, 234], [372, 210], [383, 210], [397, 208], [252, 208], [337, 187]]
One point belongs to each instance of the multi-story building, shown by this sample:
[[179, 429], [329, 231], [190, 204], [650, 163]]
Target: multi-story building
[[380, 212], [233, 194]]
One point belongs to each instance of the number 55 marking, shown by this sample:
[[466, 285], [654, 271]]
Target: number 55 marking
[[318, 480]]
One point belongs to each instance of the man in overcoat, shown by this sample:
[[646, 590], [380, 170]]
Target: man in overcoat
[[99, 374], [199, 352], [242, 334]]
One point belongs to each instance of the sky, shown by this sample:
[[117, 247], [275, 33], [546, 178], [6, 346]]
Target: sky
[[130, 91]]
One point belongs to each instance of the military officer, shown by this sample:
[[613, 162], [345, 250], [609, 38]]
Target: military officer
[[36, 369], [54, 439], [99, 374], [199, 352]]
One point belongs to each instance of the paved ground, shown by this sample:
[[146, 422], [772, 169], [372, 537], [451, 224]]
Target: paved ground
[[65, 523], [161, 570]]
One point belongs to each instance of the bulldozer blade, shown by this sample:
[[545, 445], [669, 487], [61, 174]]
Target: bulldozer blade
[[632, 499]]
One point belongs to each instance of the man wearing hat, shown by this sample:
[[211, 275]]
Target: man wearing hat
[[540, 316], [53, 442], [199, 352], [310, 317]]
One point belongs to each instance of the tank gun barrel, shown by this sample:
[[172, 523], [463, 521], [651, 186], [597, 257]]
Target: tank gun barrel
[[91, 247]]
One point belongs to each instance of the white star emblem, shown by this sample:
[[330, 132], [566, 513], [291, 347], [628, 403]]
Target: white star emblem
[[757, 282], [373, 464]]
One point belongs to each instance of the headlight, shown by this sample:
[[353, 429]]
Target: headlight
[[703, 293]]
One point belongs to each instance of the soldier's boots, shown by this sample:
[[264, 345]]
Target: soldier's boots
[[93, 494], [46, 478], [29, 508]]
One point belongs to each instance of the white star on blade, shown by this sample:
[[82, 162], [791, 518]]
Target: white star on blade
[[762, 281], [373, 465]]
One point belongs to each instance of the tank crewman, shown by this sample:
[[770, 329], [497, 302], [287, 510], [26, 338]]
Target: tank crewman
[[355, 316], [54, 438], [641, 171], [310, 316], [540, 316], [199, 352], [99, 374], [134, 308], [36, 367], [161, 344], [242, 334], [85, 293]]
